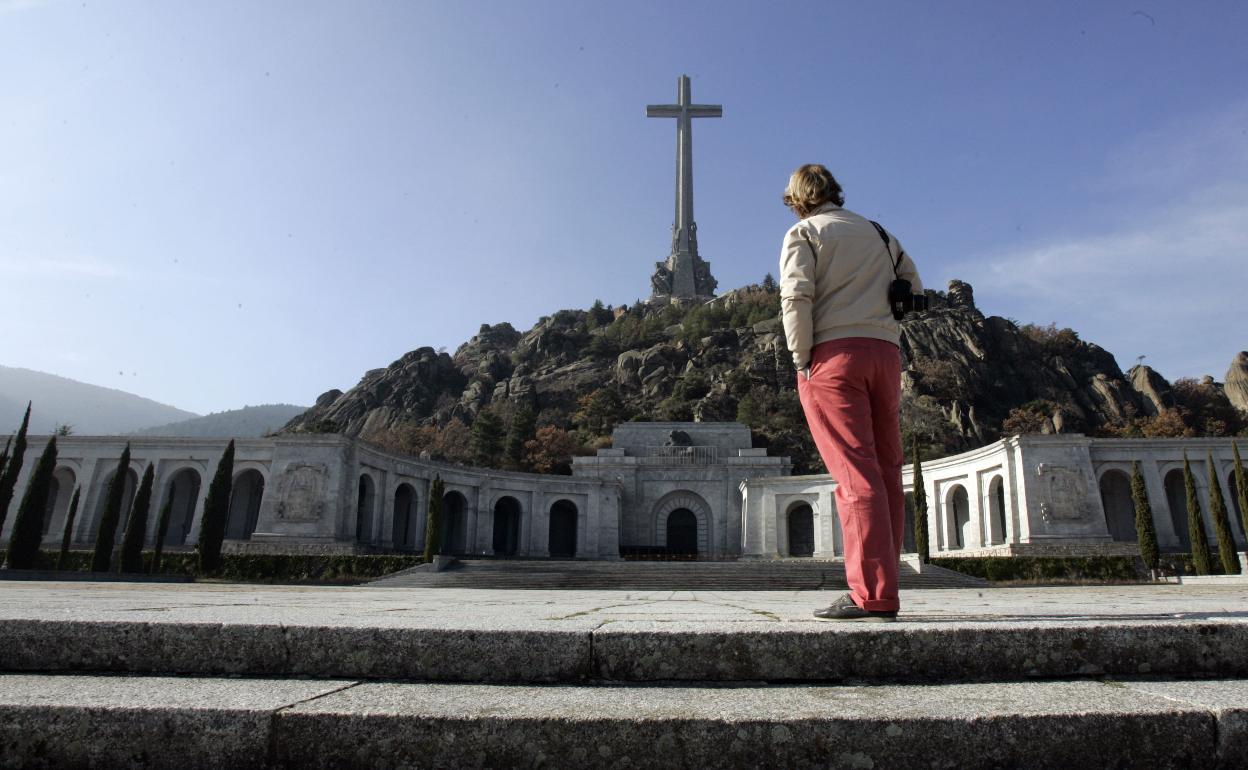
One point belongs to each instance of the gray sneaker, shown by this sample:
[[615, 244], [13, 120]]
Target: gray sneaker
[[844, 608]]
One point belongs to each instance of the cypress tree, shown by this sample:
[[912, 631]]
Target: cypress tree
[[920, 507], [216, 513], [433, 522], [136, 525], [112, 514], [1221, 523], [1145, 531], [523, 428], [69, 529], [8, 480], [4, 456], [162, 527], [28, 526], [1195, 525], [1241, 489]]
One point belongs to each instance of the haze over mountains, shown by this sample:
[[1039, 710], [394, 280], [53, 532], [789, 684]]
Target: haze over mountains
[[94, 410]]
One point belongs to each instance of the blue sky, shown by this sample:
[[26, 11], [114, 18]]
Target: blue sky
[[218, 204]]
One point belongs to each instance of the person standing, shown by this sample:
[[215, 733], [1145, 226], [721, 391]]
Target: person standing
[[836, 269]]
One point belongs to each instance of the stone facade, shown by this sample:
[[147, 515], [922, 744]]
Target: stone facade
[[1065, 495], [687, 488]]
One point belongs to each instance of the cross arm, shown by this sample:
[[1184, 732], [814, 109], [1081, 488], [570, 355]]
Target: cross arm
[[662, 110], [706, 111]]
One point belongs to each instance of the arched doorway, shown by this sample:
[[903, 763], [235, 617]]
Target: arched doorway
[[996, 509], [1119, 509], [127, 502], [183, 492], [960, 516], [405, 518], [245, 497], [682, 533], [801, 530], [562, 539], [507, 526], [364, 502], [454, 504], [60, 492], [1176, 497]]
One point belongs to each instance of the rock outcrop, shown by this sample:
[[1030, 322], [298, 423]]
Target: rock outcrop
[[1236, 387]]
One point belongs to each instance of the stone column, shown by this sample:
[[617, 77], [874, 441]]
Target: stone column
[[540, 536]]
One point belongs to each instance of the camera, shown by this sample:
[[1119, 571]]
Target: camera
[[902, 300]]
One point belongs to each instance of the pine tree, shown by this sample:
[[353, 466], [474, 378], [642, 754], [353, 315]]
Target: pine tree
[[1195, 525], [920, 507], [136, 525], [63, 557], [486, 441], [28, 526], [216, 513], [1145, 530], [1241, 489], [1221, 523], [8, 480], [433, 522], [523, 428], [112, 514], [162, 527]]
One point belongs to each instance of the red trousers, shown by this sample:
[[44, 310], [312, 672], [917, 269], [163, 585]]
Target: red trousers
[[851, 403]]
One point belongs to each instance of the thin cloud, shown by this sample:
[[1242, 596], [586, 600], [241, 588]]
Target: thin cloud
[[17, 6], [81, 268]]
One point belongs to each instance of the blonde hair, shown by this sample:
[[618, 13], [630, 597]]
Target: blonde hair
[[810, 187]]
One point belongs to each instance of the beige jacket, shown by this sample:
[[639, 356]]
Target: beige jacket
[[834, 277]]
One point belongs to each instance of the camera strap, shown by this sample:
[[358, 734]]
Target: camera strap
[[884, 237]]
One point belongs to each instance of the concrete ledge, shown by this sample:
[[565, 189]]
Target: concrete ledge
[[57, 721], [701, 651]]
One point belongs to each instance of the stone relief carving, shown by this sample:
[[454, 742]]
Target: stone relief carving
[[302, 491], [1064, 493]]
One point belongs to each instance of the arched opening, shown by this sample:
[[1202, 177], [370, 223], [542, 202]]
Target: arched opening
[[996, 509], [507, 527], [682, 533], [127, 501], [405, 518], [183, 491], [801, 530], [1119, 509], [1176, 497], [960, 516], [364, 503], [245, 497], [907, 537], [453, 506], [60, 492], [562, 539]]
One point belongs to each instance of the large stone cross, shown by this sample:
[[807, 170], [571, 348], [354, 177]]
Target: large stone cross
[[684, 260]]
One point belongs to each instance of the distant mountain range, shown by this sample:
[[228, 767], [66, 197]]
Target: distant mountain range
[[91, 410], [235, 423]]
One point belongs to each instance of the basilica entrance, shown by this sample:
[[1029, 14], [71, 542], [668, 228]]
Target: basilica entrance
[[682, 533]]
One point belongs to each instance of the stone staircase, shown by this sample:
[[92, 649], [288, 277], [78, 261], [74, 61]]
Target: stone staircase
[[238, 680], [788, 575]]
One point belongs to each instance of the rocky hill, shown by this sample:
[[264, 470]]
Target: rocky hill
[[967, 380]]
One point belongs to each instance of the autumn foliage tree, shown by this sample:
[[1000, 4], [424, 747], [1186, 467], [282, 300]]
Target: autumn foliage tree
[[551, 450]]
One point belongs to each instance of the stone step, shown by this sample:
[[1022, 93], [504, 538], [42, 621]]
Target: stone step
[[500, 646], [684, 576], [93, 721]]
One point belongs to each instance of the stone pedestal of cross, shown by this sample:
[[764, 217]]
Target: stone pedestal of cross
[[684, 275]]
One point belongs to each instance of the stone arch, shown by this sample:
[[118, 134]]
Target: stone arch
[[454, 522], [696, 506], [60, 492], [406, 517], [997, 509], [127, 501], [800, 519], [507, 514], [366, 501], [958, 516], [1115, 488], [246, 494], [1176, 497], [182, 490], [564, 518]]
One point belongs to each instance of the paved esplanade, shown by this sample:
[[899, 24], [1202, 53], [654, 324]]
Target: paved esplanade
[[684, 265]]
